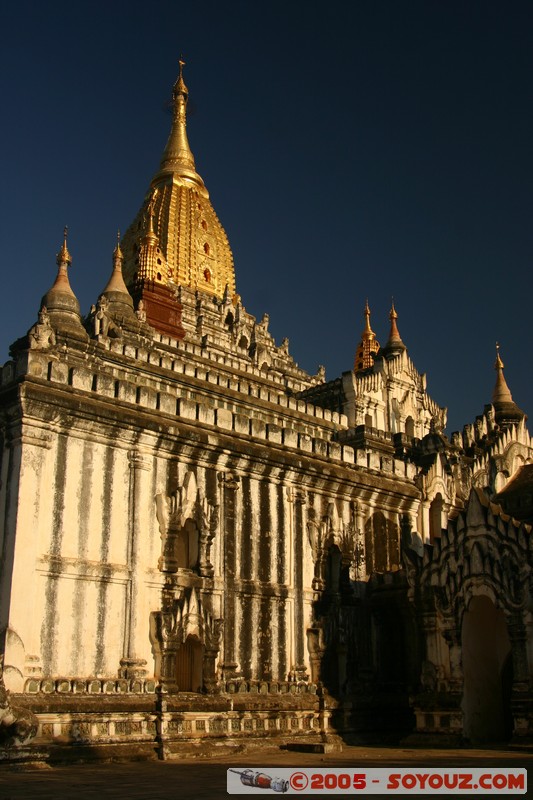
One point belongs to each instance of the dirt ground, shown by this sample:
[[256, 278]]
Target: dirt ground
[[186, 779]]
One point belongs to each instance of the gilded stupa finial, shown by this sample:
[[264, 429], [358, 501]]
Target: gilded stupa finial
[[180, 83], [177, 156], [63, 257], [498, 364], [368, 329], [117, 252]]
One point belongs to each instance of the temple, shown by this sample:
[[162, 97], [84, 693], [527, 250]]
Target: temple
[[202, 543]]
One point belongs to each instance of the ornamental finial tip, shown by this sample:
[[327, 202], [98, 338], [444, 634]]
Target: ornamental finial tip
[[63, 257], [499, 363], [117, 252], [180, 83]]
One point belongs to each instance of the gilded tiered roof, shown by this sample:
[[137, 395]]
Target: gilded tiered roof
[[190, 247]]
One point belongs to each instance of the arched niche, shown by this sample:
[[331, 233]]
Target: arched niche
[[435, 516], [187, 549]]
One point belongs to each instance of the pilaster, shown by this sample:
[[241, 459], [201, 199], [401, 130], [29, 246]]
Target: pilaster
[[229, 486], [133, 665]]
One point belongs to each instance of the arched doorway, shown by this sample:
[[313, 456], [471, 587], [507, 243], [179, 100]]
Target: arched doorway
[[487, 670], [189, 665]]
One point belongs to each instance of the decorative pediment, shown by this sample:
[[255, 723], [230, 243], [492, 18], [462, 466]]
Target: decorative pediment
[[328, 530], [174, 510], [186, 616], [187, 522]]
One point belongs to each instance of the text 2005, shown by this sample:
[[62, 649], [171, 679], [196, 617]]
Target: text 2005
[[343, 781]]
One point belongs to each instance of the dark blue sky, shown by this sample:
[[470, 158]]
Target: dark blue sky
[[351, 150]]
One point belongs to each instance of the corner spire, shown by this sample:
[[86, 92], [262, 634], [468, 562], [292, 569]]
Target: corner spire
[[116, 280], [394, 344], [63, 261], [501, 390], [60, 301], [177, 156], [506, 410], [368, 346], [151, 263]]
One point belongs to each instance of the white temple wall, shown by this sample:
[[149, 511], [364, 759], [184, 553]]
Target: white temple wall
[[18, 562]]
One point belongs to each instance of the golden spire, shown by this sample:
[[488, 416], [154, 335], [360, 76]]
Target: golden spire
[[367, 329], [368, 346], [177, 156], [176, 237]]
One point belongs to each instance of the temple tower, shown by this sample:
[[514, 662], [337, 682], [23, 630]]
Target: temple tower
[[176, 240]]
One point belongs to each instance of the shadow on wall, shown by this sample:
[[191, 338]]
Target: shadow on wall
[[370, 655]]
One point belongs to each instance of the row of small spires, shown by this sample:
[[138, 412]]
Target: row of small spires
[[64, 259], [369, 346], [367, 350]]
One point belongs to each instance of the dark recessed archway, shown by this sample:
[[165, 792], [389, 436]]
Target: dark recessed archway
[[487, 669]]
